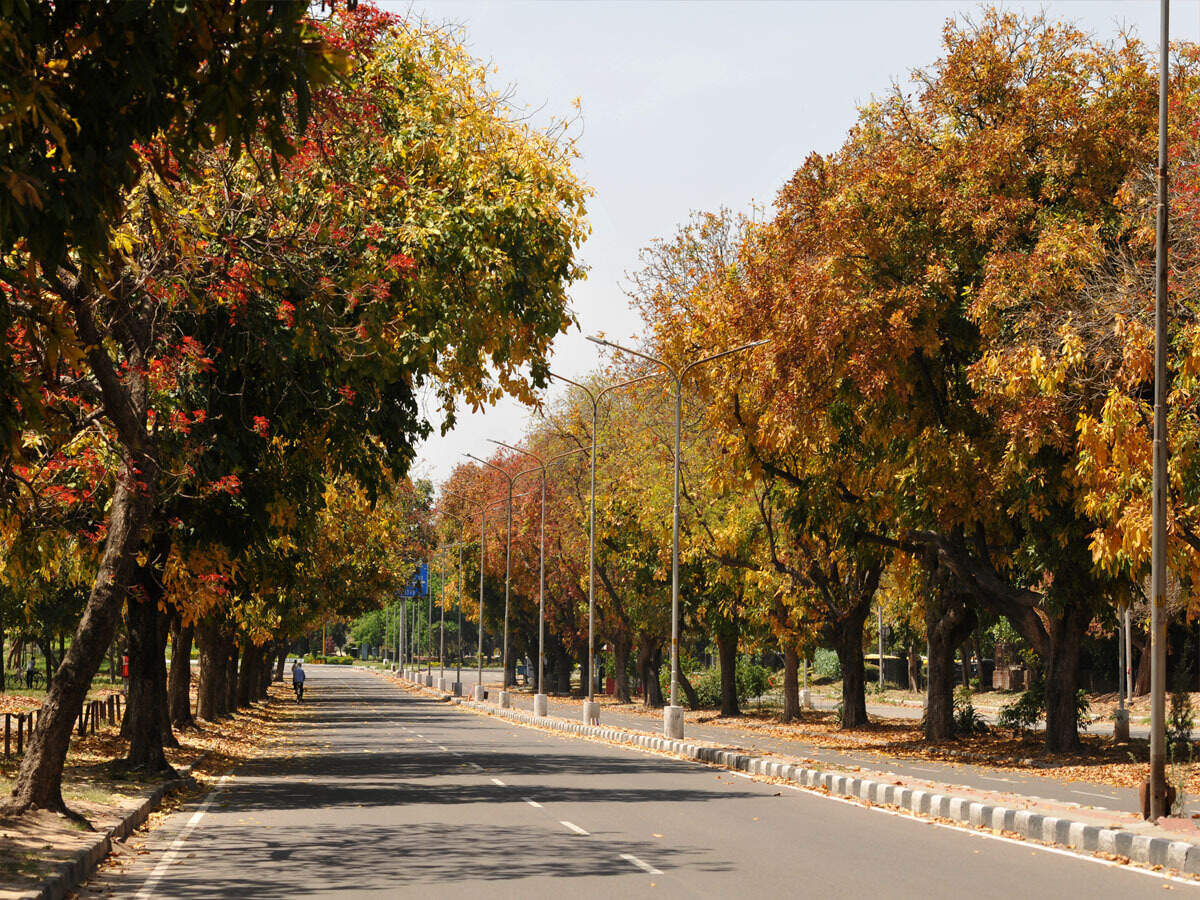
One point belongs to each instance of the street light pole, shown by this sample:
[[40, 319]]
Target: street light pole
[[1158, 565], [673, 714], [540, 701], [503, 698], [591, 709]]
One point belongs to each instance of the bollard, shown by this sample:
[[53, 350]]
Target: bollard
[[95, 713], [82, 720], [7, 734], [20, 733]]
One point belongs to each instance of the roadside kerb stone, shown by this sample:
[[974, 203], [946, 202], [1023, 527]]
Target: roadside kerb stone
[[1140, 848]]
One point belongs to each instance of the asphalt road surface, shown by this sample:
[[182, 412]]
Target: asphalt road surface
[[383, 793], [1097, 796]]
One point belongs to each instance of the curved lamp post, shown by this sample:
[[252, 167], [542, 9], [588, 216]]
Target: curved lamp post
[[673, 714], [540, 702], [591, 709]]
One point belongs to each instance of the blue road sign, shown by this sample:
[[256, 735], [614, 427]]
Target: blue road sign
[[418, 586]]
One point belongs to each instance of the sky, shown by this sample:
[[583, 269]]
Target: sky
[[690, 106]]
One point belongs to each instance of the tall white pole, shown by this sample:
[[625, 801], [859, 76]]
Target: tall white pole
[[1158, 565]]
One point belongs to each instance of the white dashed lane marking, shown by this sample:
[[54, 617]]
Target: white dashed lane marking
[[641, 864], [573, 827]]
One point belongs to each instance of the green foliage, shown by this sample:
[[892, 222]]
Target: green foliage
[[1180, 720], [826, 665], [750, 680], [966, 720], [1023, 713]]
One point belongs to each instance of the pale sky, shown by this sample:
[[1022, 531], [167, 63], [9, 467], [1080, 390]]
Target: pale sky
[[694, 105]]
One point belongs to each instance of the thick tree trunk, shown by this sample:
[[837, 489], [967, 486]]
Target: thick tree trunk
[[648, 671], [1141, 678], [1062, 678], [39, 780], [622, 647], [947, 620], [3, 686], [854, 682], [791, 683], [563, 667], [211, 694], [727, 645], [247, 674], [180, 676], [143, 718]]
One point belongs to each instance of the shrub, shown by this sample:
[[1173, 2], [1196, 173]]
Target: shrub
[[826, 665], [966, 719], [1025, 712], [750, 680]]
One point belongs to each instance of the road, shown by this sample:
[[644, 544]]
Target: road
[[384, 792], [1099, 796]]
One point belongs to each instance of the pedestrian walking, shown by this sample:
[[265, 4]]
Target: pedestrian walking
[[29, 673]]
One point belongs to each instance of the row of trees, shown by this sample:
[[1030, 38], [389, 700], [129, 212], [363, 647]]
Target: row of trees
[[954, 408], [238, 248]]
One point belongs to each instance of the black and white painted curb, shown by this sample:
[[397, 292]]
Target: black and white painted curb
[[73, 872], [1140, 848]]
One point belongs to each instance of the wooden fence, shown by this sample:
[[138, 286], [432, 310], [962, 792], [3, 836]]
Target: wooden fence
[[19, 726]]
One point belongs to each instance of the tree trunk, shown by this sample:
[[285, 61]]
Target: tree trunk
[[3, 687], [211, 694], [39, 780], [1062, 678], [621, 650], [693, 699], [727, 644], [914, 668], [1141, 678], [648, 671], [563, 667], [791, 683], [654, 694], [854, 682], [231, 671], [281, 662], [947, 620], [180, 677], [143, 714], [160, 681]]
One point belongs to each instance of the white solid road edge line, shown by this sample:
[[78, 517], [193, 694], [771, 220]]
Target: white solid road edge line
[[644, 866], [147, 890], [573, 827]]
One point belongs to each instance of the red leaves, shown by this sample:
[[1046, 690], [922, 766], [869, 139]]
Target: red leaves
[[348, 393], [401, 263], [261, 426]]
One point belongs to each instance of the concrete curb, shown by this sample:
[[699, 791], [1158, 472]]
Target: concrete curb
[[72, 873], [1140, 848]]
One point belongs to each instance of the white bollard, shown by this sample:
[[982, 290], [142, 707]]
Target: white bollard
[[541, 705], [428, 681], [673, 722], [591, 712], [477, 693], [441, 684], [504, 700], [805, 699]]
